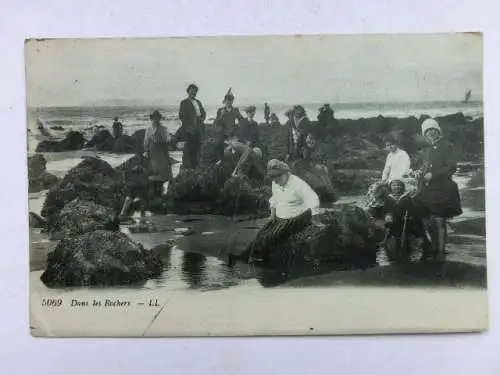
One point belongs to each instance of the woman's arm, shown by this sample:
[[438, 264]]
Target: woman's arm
[[387, 169], [445, 162]]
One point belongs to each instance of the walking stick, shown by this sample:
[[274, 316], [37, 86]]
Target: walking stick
[[404, 235]]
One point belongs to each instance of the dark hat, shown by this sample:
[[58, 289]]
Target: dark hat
[[390, 138], [250, 108], [299, 109], [156, 115], [115, 119], [229, 95]]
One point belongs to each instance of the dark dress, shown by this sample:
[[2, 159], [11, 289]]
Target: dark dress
[[248, 131], [191, 131], [295, 147], [440, 196], [226, 123]]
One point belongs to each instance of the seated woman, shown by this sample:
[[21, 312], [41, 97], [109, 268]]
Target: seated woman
[[395, 211], [294, 206]]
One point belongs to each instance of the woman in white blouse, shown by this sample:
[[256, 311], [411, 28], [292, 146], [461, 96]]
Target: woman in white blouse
[[294, 206], [397, 163]]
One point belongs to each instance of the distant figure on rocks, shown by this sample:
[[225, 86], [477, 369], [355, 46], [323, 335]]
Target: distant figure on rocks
[[327, 124], [226, 122], [43, 129], [275, 121], [267, 112], [117, 128], [192, 115], [294, 206], [298, 126], [439, 196]]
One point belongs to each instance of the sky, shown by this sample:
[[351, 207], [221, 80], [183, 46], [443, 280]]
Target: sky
[[274, 69]]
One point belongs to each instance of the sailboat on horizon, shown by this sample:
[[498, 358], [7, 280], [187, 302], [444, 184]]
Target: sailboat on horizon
[[467, 96]]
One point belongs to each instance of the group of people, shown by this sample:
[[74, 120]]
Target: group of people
[[417, 203], [399, 205]]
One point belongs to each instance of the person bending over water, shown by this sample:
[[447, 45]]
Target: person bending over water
[[245, 142], [294, 206]]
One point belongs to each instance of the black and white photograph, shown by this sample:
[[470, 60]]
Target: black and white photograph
[[256, 185]]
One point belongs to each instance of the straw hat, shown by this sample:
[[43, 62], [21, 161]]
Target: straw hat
[[276, 168]]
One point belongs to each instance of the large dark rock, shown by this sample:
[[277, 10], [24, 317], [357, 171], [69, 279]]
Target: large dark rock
[[347, 240], [100, 258], [36, 164], [38, 178], [80, 217], [318, 178], [91, 180], [237, 197], [102, 141], [72, 142]]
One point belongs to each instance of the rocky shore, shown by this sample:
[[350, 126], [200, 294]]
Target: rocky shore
[[81, 209]]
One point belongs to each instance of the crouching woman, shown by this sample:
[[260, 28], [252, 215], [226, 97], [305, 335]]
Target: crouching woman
[[294, 206]]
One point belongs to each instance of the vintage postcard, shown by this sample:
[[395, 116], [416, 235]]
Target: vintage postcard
[[256, 185]]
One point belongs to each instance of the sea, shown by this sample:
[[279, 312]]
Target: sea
[[137, 117]]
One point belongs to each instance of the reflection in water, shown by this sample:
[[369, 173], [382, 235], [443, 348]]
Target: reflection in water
[[193, 269]]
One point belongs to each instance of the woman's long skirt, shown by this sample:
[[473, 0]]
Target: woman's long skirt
[[275, 232]]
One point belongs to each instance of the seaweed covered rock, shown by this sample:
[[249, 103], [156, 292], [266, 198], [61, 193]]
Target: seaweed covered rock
[[200, 185], [36, 164], [100, 258], [92, 180], [36, 221], [80, 217], [102, 141], [73, 141], [38, 178], [238, 197], [347, 239], [318, 178], [125, 145]]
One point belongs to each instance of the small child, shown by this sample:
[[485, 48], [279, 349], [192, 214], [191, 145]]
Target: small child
[[400, 215]]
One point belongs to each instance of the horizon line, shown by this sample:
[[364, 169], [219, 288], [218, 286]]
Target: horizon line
[[139, 104]]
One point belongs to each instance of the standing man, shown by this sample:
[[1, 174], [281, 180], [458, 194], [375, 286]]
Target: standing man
[[267, 112], [117, 128], [192, 115]]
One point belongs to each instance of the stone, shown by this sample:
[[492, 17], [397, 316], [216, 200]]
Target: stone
[[38, 178], [93, 180], [102, 141], [80, 217], [36, 221], [238, 197], [100, 258], [73, 141], [347, 240]]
